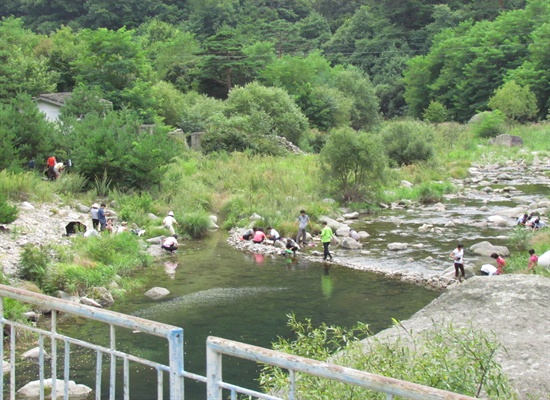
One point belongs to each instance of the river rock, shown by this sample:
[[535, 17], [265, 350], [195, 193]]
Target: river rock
[[157, 293], [507, 140], [363, 235], [425, 228], [353, 215], [155, 240], [5, 367], [34, 355], [450, 224], [343, 230], [152, 216], [486, 249], [255, 217], [544, 260], [498, 220], [102, 295], [397, 246], [406, 184], [332, 223], [32, 389], [350, 243], [91, 232], [213, 222], [26, 206], [89, 302]]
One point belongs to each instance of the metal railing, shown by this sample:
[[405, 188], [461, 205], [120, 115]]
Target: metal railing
[[216, 347]]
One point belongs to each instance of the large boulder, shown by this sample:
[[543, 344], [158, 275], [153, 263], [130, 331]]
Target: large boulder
[[544, 260], [343, 230], [486, 249], [507, 140], [332, 223], [32, 389], [497, 220], [353, 215], [350, 243]]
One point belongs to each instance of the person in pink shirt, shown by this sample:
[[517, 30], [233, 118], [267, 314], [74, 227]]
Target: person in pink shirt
[[501, 263], [259, 236], [533, 260]]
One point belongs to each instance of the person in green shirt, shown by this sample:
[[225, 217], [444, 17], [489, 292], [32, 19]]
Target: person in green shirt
[[326, 235]]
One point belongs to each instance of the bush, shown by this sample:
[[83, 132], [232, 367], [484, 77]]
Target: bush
[[34, 264], [8, 213], [460, 360], [195, 225], [489, 124], [436, 113], [407, 142]]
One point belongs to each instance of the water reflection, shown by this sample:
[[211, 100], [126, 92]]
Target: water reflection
[[326, 282], [170, 268]]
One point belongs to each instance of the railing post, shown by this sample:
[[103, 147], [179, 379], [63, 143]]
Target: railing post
[[213, 373], [175, 347]]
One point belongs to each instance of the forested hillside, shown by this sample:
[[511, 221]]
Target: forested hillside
[[241, 70]]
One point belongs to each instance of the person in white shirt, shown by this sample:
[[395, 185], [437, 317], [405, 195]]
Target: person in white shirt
[[170, 244], [169, 222], [272, 234], [458, 256], [488, 269]]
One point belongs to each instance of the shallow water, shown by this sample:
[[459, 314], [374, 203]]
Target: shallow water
[[216, 290]]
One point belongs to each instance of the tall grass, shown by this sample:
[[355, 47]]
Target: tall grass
[[25, 186]]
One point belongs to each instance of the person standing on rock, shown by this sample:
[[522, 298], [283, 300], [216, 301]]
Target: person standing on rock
[[458, 257], [101, 216], [95, 219], [326, 236], [533, 260], [303, 222]]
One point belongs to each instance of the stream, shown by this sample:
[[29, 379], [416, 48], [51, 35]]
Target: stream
[[217, 290]]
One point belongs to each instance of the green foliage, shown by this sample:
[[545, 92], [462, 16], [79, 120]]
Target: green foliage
[[116, 146], [489, 124], [22, 69], [436, 113], [34, 263], [460, 360], [69, 183], [407, 142], [24, 133], [85, 100], [195, 225], [352, 163], [517, 103], [14, 310], [22, 186], [280, 114], [8, 213]]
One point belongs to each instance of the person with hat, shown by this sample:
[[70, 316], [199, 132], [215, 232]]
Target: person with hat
[[169, 222], [95, 218]]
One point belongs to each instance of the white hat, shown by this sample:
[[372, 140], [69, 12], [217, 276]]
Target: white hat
[[95, 205], [171, 213]]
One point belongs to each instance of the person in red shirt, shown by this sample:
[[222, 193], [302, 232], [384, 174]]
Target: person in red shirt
[[533, 260], [501, 263], [259, 236], [51, 164]]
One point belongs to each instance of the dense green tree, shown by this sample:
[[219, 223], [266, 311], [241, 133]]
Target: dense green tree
[[198, 111], [516, 102], [273, 106], [83, 101], [467, 64], [436, 113], [113, 144], [25, 133], [407, 142], [21, 70], [169, 102], [116, 62], [352, 164]]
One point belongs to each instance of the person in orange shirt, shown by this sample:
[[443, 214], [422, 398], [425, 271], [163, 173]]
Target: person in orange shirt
[[501, 263], [51, 164]]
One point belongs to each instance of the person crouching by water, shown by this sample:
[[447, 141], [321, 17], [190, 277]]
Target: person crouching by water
[[501, 263], [292, 246], [249, 233], [170, 244], [259, 236], [272, 234]]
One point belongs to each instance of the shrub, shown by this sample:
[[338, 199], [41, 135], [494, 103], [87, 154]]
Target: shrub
[[407, 142], [436, 113], [460, 360], [34, 264], [195, 225], [489, 124], [8, 213]]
